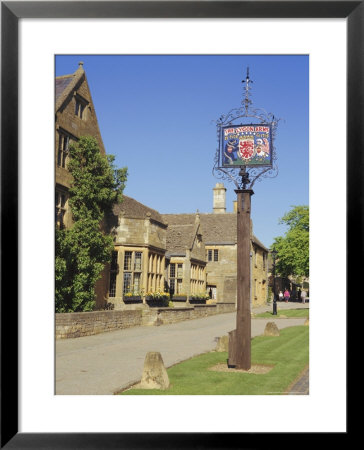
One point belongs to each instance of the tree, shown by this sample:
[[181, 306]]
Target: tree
[[83, 250], [293, 247]]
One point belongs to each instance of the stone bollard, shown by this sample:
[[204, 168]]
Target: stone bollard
[[307, 322], [158, 321], [271, 329], [154, 373], [223, 344]]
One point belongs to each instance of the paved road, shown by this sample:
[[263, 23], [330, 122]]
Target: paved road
[[106, 363]]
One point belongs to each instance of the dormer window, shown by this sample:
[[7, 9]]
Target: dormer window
[[80, 107]]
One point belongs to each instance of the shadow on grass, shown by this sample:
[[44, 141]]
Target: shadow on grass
[[300, 313], [287, 353]]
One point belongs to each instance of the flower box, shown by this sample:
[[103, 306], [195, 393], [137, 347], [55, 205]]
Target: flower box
[[157, 302], [133, 299], [198, 301], [179, 298]]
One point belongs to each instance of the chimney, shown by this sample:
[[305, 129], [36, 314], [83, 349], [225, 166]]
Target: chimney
[[219, 203]]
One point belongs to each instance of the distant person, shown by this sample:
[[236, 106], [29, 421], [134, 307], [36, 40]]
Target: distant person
[[210, 293], [286, 295], [303, 296], [299, 295], [280, 295]]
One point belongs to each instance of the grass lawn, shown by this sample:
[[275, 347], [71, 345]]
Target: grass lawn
[[299, 312], [288, 353]]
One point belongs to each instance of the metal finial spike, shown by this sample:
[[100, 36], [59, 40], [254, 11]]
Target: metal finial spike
[[247, 78], [246, 102]]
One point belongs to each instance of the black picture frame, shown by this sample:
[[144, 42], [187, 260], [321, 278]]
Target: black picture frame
[[11, 12]]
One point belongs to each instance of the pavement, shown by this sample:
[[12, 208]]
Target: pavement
[[300, 386], [106, 363]]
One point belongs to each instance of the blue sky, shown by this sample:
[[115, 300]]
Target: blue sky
[[156, 115]]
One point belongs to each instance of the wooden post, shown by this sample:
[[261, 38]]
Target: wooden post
[[240, 355]]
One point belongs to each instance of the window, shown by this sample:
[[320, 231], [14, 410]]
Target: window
[[137, 282], [114, 261], [132, 272], [112, 285], [80, 107], [113, 273], [172, 270], [127, 282], [176, 277], [212, 255], [155, 278], [138, 261], [197, 279], [61, 208], [63, 148], [127, 260], [180, 271]]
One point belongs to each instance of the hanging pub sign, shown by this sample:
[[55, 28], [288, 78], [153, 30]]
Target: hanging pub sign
[[246, 145]]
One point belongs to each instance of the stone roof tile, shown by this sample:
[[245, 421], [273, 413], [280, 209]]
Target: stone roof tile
[[179, 238], [135, 210], [259, 244], [61, 84], [215, 228], [65, 84]]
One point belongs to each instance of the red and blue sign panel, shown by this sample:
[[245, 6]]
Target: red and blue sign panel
[[246, 145]]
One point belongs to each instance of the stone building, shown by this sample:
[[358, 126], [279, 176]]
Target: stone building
[[189, 253], [259, 275], [219, 243], [151, 255], [186, 270], [75, 116], [219, 236], [139, 258]]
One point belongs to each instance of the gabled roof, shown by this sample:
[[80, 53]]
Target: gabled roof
[[62, 83], [219, 228], [257, 242], [179, 238], [65, 85], [215, 228], [65, 88], [133, 209]]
